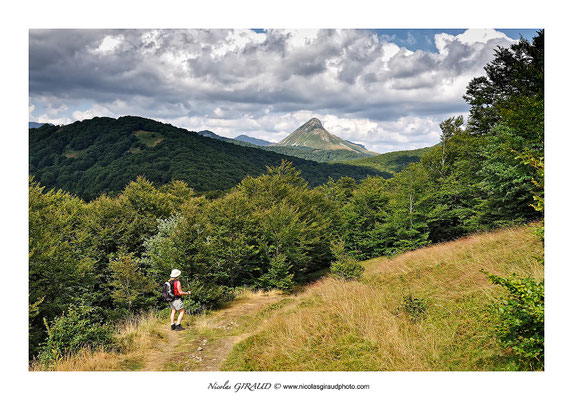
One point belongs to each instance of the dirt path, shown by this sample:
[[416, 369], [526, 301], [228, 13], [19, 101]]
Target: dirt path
[[162, 350], [207, 342]]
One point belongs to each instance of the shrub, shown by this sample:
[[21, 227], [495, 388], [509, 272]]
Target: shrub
[[344, 266], [415, 307], [78, 328], [206, 296], [518, 319], [131, 288], [278, 275]]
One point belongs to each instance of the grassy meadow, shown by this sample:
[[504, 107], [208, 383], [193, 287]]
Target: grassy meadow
[[365, 325]]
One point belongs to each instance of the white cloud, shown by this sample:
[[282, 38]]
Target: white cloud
[[471, 36], [405, 133], [96, 111], [109, 44], [301, 37], [112, 110], [389, 50], [236, 40]]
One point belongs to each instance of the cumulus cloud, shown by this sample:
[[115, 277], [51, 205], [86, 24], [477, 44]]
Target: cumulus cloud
[[366, 88]]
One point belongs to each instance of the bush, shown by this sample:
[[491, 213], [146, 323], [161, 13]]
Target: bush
[[206, 296], [416, 308], [278, 275], [344, 266], [78, 328], [518, 319]]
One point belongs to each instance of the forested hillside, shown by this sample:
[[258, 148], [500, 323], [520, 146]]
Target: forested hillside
[[102, 155], [319, 155], [94, 263], [392, 162]]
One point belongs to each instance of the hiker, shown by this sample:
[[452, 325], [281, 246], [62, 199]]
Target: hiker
[[176, 304]]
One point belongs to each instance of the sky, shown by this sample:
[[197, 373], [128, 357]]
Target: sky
[[386, 89]]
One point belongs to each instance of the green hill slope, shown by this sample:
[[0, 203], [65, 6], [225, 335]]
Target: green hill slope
[[391, 163], [102, 155]]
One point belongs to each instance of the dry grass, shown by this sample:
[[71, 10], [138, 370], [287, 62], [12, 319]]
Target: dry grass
[[136, 338], [150, 139], [361, 325], [70, 153]]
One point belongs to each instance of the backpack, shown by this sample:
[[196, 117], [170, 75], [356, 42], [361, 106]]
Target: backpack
[[168, 291]]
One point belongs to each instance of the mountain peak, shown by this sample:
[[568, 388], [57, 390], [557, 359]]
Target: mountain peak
[[312, 134], [313, 122]]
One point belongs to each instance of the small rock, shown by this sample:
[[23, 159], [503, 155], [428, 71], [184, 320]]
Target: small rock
[[199, 348]]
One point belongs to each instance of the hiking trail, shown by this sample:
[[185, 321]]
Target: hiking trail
[[208, 339]]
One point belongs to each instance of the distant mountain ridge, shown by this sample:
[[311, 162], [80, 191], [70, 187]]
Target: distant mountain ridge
[[102, 155], [211, 135], [312, 134], [304, 152], [253, 140], [37, 124]]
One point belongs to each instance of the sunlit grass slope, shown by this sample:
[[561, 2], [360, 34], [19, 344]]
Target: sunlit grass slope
[[336, 325]]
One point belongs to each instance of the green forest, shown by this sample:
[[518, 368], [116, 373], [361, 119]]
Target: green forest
[[105, 228], [392, 162]]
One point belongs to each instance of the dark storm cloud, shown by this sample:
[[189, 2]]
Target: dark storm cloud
[[67, 64]]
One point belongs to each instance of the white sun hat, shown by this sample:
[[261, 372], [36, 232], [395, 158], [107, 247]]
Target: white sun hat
[[175, 273]]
